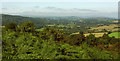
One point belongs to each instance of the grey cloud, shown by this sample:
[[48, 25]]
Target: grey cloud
[[54, 14], [74, 12], [51, 7], [4, 8], [54, 8], [85, 10], [101, 14], [36, 6]]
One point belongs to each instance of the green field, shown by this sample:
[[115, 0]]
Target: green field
[[115, 34]]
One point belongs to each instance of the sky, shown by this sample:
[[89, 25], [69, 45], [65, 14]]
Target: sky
[[83, 8], [59, 0]]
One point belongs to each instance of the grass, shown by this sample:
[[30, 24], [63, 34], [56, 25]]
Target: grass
[[96, 34], [115, 21], [40, 29], [50, 25], [115, 34], [109, 28], [62, 26], [71, 24], [74, 33]]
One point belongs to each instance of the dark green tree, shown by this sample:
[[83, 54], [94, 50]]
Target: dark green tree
[[27, 27], [11, 26], [91, 39]]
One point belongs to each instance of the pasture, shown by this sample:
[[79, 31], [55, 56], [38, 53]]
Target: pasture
[[111, 27], [96, 34], [114, 34]]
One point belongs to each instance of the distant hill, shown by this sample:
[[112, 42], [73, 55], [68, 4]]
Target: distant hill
[[20, 19], [42, 21], [37, 21]]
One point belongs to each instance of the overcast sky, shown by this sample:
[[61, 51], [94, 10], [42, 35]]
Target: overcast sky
[[98, 8], [59, 0]]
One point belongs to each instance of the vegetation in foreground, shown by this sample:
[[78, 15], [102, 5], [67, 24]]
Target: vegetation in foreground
[[24, 41]]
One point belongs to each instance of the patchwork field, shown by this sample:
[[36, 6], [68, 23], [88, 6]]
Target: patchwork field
[[115, 21], [112, 27], [96, 34], [115, 34], [74, 33]]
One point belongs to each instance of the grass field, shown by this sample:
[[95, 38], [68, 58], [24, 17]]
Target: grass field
[[115, 21], [74, 33], [40, 29], [115, 34], [96, 34], [50, 25], [109, 28]]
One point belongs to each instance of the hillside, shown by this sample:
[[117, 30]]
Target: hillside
[[74, 24]]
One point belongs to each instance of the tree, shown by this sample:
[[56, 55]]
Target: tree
[[109, 32], [104, 30], [77, 39], [27, 27], [11, 26], [91, 39], [81, 32]]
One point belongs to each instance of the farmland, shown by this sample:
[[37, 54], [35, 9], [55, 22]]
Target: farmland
[[115, 34], [96, 34], [112, 27]]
